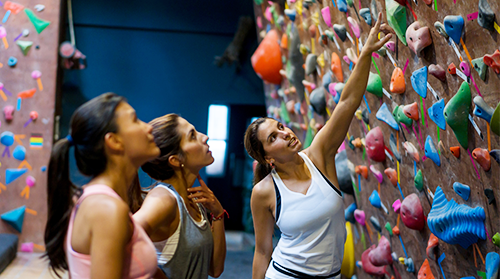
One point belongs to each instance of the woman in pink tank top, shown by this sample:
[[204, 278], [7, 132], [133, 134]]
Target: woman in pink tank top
[[96, 237]]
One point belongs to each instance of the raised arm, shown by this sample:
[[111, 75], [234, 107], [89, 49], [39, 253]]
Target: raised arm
[[328, 140]]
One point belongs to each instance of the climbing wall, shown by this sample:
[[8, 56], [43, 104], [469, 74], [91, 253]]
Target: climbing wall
[[30, 37], [408, 80]]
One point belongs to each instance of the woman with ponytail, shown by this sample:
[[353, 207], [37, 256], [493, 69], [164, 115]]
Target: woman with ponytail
[[95, 236], [174, 213], [298, 190]]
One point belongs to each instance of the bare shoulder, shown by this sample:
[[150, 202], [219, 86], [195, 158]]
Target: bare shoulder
[[103, 208], [265, 187], [160, 199]]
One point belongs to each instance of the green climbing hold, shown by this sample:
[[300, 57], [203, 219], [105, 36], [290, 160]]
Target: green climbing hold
[[375, 85], [258, 2], [25, 46], [480, 67], [496, 239], [400, 116], [419, 181], [39, 23], [388, 228], [396, 16], [284, 113], [456, 114], [495, 120], [350, 3], [309, 137]]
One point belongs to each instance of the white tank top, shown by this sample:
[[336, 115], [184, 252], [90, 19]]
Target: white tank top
[[312, 228]]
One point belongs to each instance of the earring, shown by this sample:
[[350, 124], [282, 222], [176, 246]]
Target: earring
[[271, 164], [182, 165]]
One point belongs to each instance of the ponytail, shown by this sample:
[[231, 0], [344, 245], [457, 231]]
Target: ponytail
[[60, 193], [261, 171], [256, 150]]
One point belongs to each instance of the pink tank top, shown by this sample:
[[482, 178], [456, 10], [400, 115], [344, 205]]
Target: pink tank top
[[140, 260]]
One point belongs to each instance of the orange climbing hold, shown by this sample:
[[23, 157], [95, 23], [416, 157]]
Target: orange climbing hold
[[13, 7], [482, 157], [27, 93], [284, 41], [363, 170], [493, 61], [411, 111], [357, 143], [455, 150], [392, 175], [425, 271], [431, 246], [452, 69], [398, 84], [266, 60], [395, 230], [337, 67]]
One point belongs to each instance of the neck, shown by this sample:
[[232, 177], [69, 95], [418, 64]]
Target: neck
[[118, 177], [293, 168], [181, 181]]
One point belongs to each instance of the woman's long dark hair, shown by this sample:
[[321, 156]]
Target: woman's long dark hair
[[89, 124], [255, 149]]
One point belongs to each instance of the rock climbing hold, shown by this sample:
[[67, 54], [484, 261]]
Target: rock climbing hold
[[375, 199], [432, 245], [388, 228], [443, 150], [482, 157], [381, 255], [39, 23], [441, 30], [357, 143], [492, 265], [408, 263], [435, 113], [454, 223], [383, 114], [363, 170], [19, 153], [456, 114], [375, 147], [392, 175], [452, 69], [365, 116], [410, 148], [354, 26], [495, 153], [398, 85], [12, 61], [396, 206], [396, 17], [425, 271], [25, 46], [8, 112], [375, 85], [490, 195], [465, 68], [495, 120], [431, 152], [418, 37], [376, 224], [462, 190], [496, 239], [317, 100], [360, 216], [351, 54], [454, 26], [437, 71], [411, 111], [295, 73], [419, 81], [342, 5], [480, 67], [266, 60], [395, 230], [365, 14], [368, 267], [311, 63], [326, 80], [455, 150], [336, 67], [291, 14], [486, 17], [304, 50], [382, 51], [325, 12], [394, 148], [412, 213], [341, 31], [493, 61], [419, 181], [399, 116], [349, 213], [391, 46]]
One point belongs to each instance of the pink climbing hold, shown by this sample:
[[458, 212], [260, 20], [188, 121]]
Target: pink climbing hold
[[381, 255], [360, 216], [412, 213], [325, 12], [368, 267], [391, 45], [27, 247], [377, 174], [354, 27], [397, 206], [30, 181]]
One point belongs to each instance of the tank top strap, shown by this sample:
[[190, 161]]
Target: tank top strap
[[317, 173], [97, 189]]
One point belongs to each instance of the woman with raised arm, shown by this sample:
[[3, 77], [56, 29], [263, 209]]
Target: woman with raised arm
[[174, 213], [96, 237], [298, 190]]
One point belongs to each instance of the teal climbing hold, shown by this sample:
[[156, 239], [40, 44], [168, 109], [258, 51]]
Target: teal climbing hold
[[342, 5], [419, 81], [374, 85], [13, 174], [400, 116], [436, 114], [453, 25], [462, 190], [482, 109], [396, 17], [383, 114], [39, 23], [480, 67], [419, 181], [431, 151], [19, 153], [492, 264], [456, 114], [365, 14], [15, 218]]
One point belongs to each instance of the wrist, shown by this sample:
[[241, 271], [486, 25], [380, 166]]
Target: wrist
[[217, 217]]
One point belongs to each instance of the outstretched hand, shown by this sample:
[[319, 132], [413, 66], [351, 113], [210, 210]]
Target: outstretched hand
[[202, 194], [373, 43]]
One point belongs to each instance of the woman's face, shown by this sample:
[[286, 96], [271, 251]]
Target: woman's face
[[194, 146], [136, 136], [278, 141]]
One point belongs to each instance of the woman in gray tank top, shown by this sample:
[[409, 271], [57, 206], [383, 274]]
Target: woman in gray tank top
[[174, 213]]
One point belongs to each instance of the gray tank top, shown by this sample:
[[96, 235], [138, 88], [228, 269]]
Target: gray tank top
[[193, 254]]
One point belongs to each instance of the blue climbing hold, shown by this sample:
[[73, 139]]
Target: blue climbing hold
[[454, 223], [19, 153], [436, 114], [349, 213], [12, 61], [297, 108], [419, 81], [383, 114], [7, 138], [342, 5], [492, 265], [375, 199], [339, 87], [482, 109], [327, 79], [431, 152], [376, 224], [453, 25], [290, 14], [365, 14], [43, 169], [13, 174], [15, 218], [462, 190]]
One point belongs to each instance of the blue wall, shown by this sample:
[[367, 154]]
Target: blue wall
[[159, 55]]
